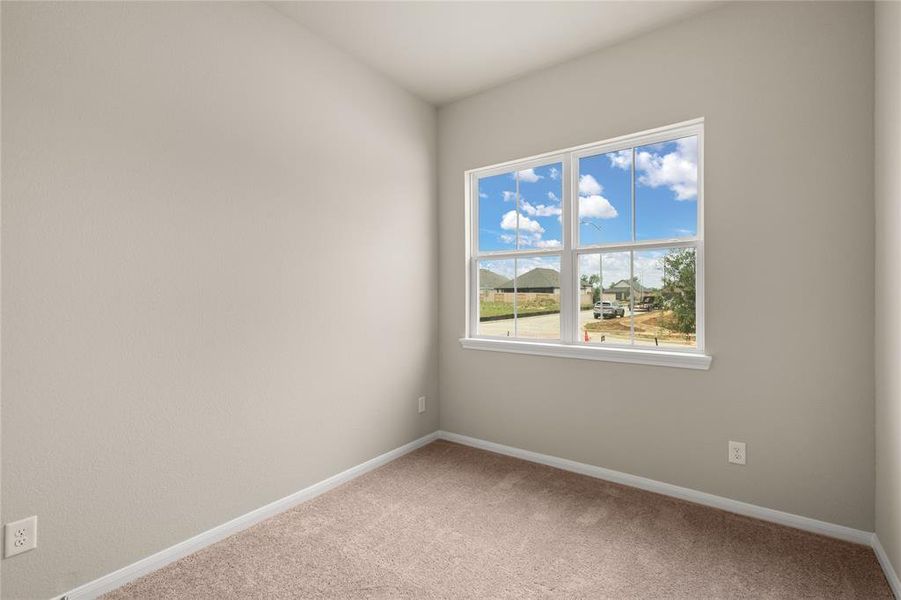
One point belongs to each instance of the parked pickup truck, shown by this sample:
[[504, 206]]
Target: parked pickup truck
[[608, 310], [646, 304]]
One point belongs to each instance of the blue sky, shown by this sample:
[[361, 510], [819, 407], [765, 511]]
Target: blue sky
[[605, 199], [665, 199], [666, 190], [540, 190], [665, 193]]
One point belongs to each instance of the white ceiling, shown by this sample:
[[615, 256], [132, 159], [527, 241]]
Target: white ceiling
[[443, 51]]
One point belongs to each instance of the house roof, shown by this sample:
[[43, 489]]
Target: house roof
[[536, 278], [623, 284], [489, 280]]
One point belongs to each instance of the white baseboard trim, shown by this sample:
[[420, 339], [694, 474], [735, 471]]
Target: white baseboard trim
[[887, 566], [117, 579], [667, 489], [858, 536]]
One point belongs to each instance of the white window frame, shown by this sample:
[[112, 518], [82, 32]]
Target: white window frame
[[569, 345]]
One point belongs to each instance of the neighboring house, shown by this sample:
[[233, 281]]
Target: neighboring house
[[489, 280], [620, 291], [536, 281], [587, 298], [547, 281]]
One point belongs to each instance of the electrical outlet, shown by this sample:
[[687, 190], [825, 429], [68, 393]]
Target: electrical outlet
[[20, 536], [422, 404], [737, 453]]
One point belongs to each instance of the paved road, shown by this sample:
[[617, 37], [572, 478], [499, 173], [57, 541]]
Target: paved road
[[548, 327], [541, 326]]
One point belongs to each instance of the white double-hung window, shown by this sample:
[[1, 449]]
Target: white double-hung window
[[592, 252]]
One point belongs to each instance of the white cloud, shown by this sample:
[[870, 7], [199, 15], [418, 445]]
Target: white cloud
[[529, 175], [596, 206], [676, 170], [524, 265], [589, 186], [554, 173], [501, 267], [621, 159], [530, 231], [527, 239], [591, 204], [540, 210], [483, 195], [648, 267], [508, 221], [615, 267], [688, 147], [526, 224]]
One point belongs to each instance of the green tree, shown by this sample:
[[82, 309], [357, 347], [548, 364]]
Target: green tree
[[679, 289]]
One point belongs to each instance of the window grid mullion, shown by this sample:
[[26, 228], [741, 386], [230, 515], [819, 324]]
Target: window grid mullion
[[516, 198], [569, 254], [516, 294], [632, 261], [631, 297], [566, 277], [632, 201]]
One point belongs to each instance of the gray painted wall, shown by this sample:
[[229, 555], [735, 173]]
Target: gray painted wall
[[888, 279], [787, 91], [178, 346]]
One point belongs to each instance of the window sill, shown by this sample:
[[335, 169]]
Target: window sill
[[660, 358]]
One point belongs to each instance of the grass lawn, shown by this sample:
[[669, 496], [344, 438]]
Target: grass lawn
[[505, 309]]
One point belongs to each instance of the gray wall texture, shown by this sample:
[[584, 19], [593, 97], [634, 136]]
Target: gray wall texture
[[787, 93], [888, 279], [218, 287]]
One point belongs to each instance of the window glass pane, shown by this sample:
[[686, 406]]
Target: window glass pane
[[666, 190], [605, 198], [538, 297], [540, 208], [497, 213], [664, 293], [632, 296], [605, 314], [521, 209], [496, 298]]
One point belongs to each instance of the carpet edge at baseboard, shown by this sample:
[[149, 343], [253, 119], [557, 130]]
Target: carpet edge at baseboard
[[832, 530], [162, 558], [144, 566]]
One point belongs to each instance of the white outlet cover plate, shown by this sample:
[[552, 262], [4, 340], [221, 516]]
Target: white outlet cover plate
[[422, 404], [20, 536], [737, 453]]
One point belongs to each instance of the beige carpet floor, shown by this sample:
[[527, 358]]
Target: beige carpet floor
[[448, 521]]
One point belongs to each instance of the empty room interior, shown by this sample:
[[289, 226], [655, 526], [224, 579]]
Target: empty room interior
[[450, 300]]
